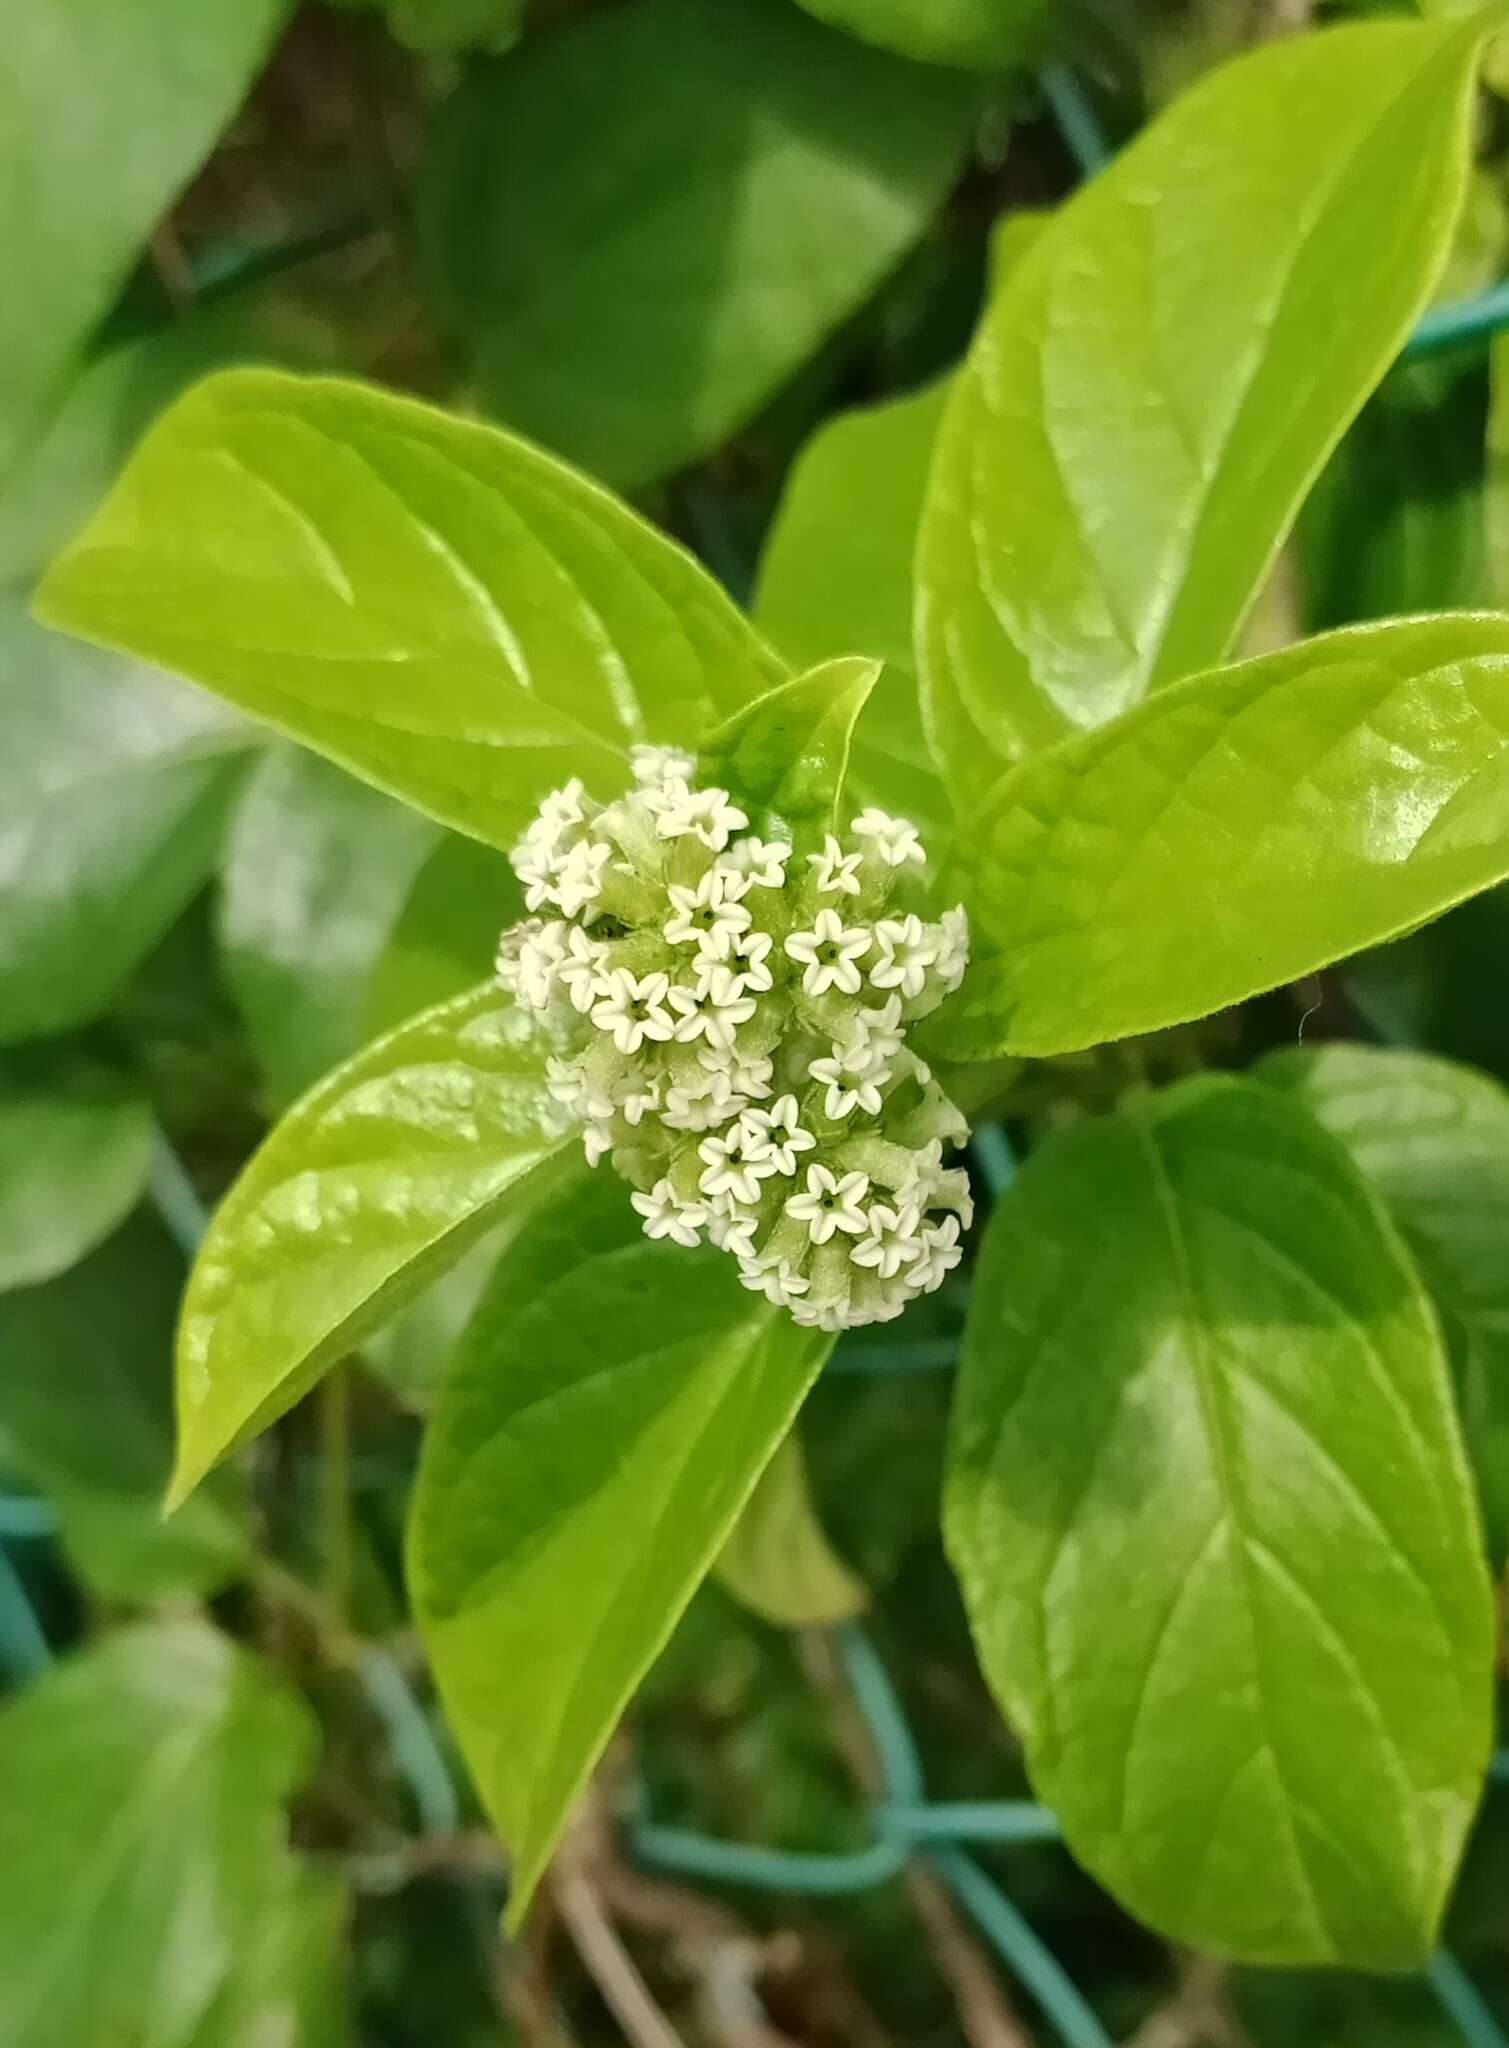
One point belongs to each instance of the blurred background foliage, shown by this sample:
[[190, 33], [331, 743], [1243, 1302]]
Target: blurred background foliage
[[721, 254]]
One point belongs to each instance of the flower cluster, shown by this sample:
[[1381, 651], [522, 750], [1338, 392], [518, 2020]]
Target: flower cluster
[[741, 1013]]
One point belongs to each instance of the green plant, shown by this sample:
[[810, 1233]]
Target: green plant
[[1207, 1496]]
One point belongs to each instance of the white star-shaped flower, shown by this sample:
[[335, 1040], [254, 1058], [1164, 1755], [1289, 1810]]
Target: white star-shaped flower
[[579, 878], [907, 949], [777, 1279], [710, 814], [708, 914], [748, 1077], [704, 1101], [828, 954], [582, 972], [891, 1240], [653, 766], [830, 1202], [731, 1229], [666, 1215], [835, 872], [541, 955], [713, 1010], [940, 1251], [734, 1162], [634, 1010], [951, 956], [853, 1081], [781, 1130], [895, 840], [762, 860]]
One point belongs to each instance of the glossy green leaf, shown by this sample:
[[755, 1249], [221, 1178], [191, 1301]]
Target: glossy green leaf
[[86, 1417], [612, 1405], [1433, 1138], [1214, 1525], [380, 1178], [836, 578], [117, 395], [751, 178], [75, 1147], [142, 1785], [438, 607], [446, 933], [1159, 380], [980, 33], [784, 757], [1236, 831], [79, 197], [778, 1562], [114, 784], [317, 870]]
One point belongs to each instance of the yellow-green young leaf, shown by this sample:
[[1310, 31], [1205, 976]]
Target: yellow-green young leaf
[[778, 1563], [75, 1148], [143, 1785], [1433, 1139], [1161, 377], [438, 606], [114, 785], [836, 578], [609, 1410], [317, 870], [1236, 831], [1215, 1529], [153, 84], [644, 224], [378, 1180], [784, 757], [86, 1417], [463, 896], [982, 34]]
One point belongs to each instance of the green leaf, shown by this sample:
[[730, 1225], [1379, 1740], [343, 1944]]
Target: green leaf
[[79, 197], [778, 1562], [370, 1187], [317, 870], [1395, 524], [1433, 1139], [604, 1421], [751, 179], [142, 1785], [438, 607], [463, 897], [114, 783], [1445, 988], [1236, 831], [117, 395], [1216, 1534], [75, 1147], [784, 757], [984, 34], [86, 1417], [1161, 377], [445, 27], [836, 581]]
